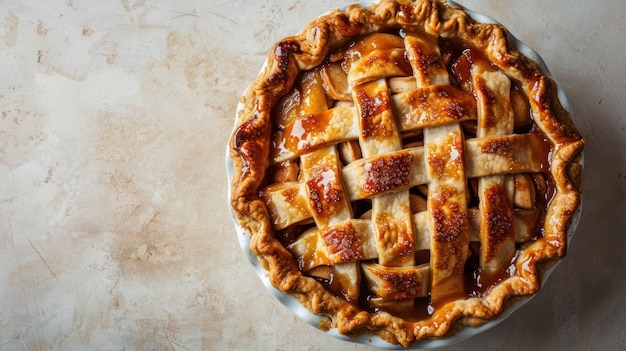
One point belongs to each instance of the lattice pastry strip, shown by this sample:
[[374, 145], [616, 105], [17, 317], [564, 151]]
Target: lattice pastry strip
[[391, 212], [432, 105], [425, 57], [495, 117], [447, 207], [321, 175], [287, 203], [447, 201], [374, 57]]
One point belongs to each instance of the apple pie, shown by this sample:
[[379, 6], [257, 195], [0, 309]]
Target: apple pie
[[403, 171]]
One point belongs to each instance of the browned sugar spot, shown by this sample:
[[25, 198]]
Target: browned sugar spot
[[455, 110], [405, 284], [499, 219], [372, 123], [425, 61], [449, 226], [497, 146], [344, 241], [386, 173], [323, 192]]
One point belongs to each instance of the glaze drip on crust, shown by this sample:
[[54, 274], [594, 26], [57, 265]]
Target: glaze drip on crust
[[402, 171]]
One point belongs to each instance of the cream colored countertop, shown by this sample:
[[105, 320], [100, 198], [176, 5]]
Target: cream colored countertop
[[114, 228]]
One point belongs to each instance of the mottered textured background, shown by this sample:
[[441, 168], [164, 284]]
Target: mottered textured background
[[115, 232]]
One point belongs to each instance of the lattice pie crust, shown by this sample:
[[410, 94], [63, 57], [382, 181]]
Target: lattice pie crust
[[402, 171]]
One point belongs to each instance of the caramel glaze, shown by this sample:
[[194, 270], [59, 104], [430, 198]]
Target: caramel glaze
[[245, 142], [459, 59]]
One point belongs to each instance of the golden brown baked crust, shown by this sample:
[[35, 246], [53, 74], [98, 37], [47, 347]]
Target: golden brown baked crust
[[250, 151]]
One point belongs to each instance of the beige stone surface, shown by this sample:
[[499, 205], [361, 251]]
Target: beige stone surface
[[115, 232]]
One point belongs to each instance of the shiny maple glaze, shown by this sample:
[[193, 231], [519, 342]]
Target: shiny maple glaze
[[374, 105], [294, 135], [323, 185], [381, 47], [436, 104], [466, 58]]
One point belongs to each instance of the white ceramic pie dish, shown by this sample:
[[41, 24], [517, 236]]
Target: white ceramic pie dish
[[371, 340]]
